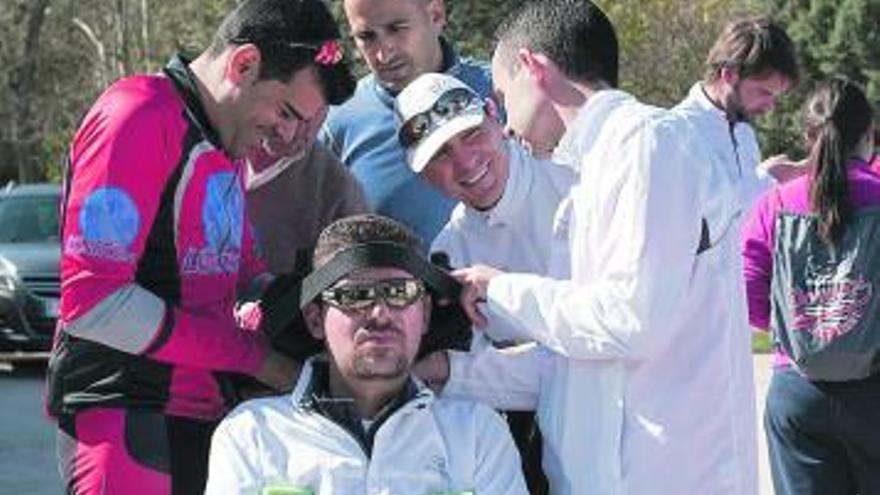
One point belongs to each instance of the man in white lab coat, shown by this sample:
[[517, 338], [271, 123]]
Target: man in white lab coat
[[507, 204], [751, 65], [643, 382]]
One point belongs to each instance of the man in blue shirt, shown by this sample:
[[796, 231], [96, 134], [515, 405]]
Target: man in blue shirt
[[399, 40]]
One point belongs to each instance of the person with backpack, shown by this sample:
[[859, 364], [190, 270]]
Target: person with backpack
[[811, 251]]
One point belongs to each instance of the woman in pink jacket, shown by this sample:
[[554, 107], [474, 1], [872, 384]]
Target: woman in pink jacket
[[812, 266]]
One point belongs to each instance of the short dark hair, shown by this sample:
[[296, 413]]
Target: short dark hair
[[289, 35], [754, 46], [359, 229], [575, 34]]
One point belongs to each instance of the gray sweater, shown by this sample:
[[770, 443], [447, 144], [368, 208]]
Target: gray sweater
[[289, 211]]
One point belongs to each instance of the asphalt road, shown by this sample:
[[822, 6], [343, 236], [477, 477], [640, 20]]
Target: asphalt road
[[27, 439]]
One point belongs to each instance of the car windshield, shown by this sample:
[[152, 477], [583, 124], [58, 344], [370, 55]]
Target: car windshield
[[28, 219]]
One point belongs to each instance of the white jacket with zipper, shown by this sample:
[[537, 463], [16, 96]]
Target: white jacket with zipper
[[427, 446]]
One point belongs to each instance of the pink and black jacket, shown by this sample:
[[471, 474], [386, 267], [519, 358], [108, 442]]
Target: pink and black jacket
[[156, 247]]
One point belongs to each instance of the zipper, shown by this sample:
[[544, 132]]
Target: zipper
[[730, 129]]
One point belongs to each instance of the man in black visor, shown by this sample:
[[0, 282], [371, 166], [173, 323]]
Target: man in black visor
[[357, 420]]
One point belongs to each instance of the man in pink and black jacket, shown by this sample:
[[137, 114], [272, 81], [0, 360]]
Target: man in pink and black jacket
[[156, 247]]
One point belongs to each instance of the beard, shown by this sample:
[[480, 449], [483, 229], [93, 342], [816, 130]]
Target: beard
[[735, 109], [379, 364]]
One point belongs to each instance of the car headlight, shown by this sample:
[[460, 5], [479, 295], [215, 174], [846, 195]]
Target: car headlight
[[8, 276]]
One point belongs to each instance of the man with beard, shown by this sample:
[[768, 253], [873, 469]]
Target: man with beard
[[751, 65], [357, 420]]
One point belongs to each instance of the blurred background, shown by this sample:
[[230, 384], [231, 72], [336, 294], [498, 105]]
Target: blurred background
[[57, 55]]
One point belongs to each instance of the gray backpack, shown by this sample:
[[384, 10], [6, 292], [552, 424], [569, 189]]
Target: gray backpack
[[825, 310]]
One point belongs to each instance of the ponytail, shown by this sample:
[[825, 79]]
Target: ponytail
[[829, 194], [837, 117]]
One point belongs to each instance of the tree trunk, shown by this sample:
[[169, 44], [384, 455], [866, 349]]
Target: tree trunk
[[27, 139], [145, 35]]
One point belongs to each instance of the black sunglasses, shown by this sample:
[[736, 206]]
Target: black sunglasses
[[397, 293], [445, 108]]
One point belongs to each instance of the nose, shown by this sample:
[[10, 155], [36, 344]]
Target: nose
[[386, 50], [379, 313], [462, 158], [287, 129]]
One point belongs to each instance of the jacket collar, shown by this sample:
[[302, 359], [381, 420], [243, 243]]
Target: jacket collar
[[312, 393], [583, 130], [177, 70], [314, 385], [698, 102]]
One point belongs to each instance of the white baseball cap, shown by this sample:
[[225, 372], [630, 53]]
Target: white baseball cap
[[432, 109]]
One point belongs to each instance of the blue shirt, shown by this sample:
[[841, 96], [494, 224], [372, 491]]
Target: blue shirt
[[363, 134]]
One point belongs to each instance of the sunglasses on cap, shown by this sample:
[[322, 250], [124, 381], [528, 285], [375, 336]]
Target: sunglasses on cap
[[444, 109], [397, 293]]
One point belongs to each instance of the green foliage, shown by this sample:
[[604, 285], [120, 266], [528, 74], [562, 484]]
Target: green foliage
[[664, 42], [834, 38], [86, 44]]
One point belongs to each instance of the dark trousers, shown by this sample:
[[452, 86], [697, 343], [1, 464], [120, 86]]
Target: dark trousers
[[823, 437], [528, 441]]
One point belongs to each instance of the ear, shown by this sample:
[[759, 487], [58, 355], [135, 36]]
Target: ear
[[437, 14], [491, 108], [313, 314], [244, 64], [537, 66], [729, 75]]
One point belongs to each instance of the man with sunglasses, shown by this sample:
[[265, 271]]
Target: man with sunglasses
[[399, 40], [357, 420], [156, 246]]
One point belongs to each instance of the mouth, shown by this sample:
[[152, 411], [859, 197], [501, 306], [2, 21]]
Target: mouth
[[392, 68], [476, 177], [381, 337]]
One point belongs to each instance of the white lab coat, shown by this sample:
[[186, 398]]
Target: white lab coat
[[428, 446], [733, 147], [649, 386]]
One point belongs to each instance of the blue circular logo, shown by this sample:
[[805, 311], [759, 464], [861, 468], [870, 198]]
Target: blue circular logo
[[223, 211], [109, 215]]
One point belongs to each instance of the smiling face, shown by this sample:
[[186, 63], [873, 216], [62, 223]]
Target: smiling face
[[472, 166], [272, 116], [399, 39], [376, 343]]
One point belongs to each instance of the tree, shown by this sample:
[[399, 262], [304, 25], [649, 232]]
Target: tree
[[22, 135], [834, 38]]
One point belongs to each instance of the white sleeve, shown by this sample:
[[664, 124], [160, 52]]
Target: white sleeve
[[633, 250], [508, 379], [498, 470], [232, 468]]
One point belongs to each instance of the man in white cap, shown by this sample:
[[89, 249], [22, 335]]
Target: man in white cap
[[508, 199], [508, 202]]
